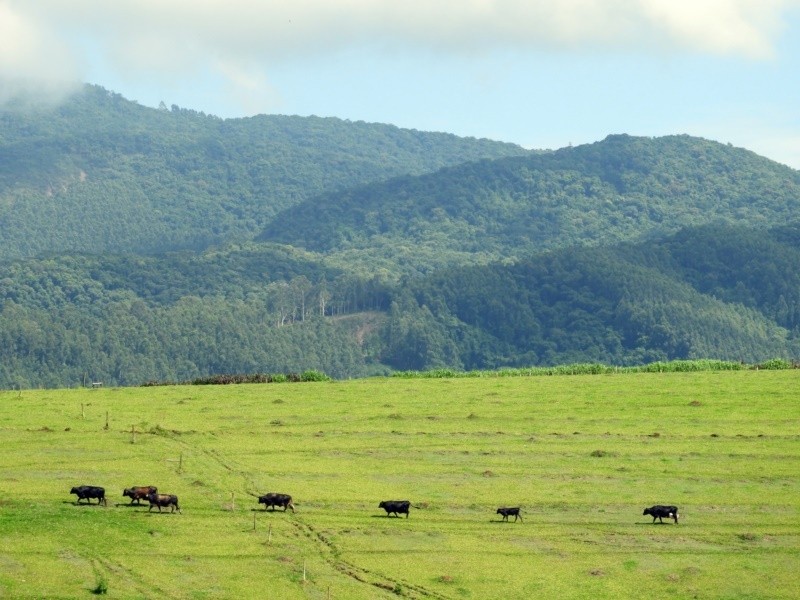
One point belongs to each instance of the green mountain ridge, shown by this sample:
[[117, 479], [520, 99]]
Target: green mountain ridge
[[102, 174], [622, 188], [63, 317], [164, 244], [624, 304]]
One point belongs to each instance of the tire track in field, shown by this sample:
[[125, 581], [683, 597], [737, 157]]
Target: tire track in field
[[145, 588], [215, 457], [329, 552], [332, 555]]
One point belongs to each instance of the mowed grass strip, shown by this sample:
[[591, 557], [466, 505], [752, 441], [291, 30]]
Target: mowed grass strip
[[582, 456]]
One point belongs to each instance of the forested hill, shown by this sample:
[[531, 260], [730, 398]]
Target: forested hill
[[715, 291], [621, 188], [102, 174], [143, 244], [710, 292]]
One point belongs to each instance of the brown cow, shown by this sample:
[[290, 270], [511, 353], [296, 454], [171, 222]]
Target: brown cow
[[164, 500], [139, 493]]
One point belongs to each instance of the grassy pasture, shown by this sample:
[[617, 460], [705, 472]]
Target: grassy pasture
[[582, 455]]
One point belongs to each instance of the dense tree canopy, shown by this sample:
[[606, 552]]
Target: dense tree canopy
[[623, 188], [715, 291], [625, 304], [139, 244], [102, 174]]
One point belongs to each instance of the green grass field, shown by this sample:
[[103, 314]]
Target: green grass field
[[583, 455]]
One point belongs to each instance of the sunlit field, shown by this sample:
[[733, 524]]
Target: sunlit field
[[582, 455]]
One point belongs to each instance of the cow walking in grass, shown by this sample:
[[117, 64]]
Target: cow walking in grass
[[87, 492], [163, 500], [397, 507], [139, 493], [510, 511], [272, 499], [660, 511]]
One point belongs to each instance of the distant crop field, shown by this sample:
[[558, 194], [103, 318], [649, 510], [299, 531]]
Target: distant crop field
[[581, 455]]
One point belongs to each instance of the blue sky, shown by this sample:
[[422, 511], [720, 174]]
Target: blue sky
[[540, 73]]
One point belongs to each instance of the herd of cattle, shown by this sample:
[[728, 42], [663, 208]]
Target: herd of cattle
[[271, 500], [136, 494]]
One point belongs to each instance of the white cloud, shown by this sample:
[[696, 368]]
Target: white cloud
[[743, 27], [175, 41], [33, 58], [249, 88]]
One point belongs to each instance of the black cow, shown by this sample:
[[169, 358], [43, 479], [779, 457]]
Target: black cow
[[510, 511], [395, 506], [164, 500], [89, 491], [273, 500], [659, 511], [139, 493]]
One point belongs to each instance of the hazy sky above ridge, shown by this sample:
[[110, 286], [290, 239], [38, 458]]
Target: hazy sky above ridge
[[540, 73]]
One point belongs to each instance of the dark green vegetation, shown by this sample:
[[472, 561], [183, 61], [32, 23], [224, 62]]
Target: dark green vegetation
[[140, 244], [582, 455], [622, 188], [714, 291], [180, 317], [102, 174]]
